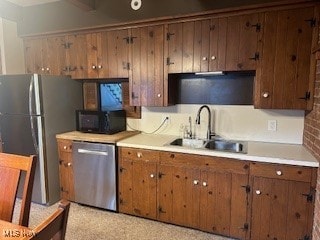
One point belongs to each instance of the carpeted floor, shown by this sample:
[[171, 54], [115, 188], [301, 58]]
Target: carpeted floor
[[94, 224]]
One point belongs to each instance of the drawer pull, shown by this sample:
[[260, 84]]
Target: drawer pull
[[152, 175], [195, 182], [139, 155], [279, 173], [204, 184], [65, 147], [69, 164], [258, 192]]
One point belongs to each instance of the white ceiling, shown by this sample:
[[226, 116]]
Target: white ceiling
[[25, 3]]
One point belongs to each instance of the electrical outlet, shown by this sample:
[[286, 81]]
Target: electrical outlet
[[272, 125]]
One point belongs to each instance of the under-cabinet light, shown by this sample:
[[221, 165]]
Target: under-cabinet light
[[210, 73]]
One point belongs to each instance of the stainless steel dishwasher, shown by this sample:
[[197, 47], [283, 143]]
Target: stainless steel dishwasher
[[94, 166]]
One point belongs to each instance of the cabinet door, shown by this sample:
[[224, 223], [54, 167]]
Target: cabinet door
[[55, 60], [146, 66], [209, 53], [93, 41], [179, 195], [125, 186], [280, 209], [29, 55], [118, 53], [223, 207], [45, 55], [66, 169], [282, 77], [33, 55], [77, 57], [144, 189], [242, 40], [138, 182]]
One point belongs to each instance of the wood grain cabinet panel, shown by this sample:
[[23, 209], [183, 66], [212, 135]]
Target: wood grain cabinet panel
[[45, 55], [282, 201], [76, 58], [217, 44], [107, 54], [234, 198], [242, 40], [146, 66], [66, 169], [282, 76], [206, 198], [138, 182]]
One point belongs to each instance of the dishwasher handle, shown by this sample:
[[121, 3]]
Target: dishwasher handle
[[86, 151]]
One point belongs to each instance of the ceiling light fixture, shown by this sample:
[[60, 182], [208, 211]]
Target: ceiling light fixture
[[136, 4]]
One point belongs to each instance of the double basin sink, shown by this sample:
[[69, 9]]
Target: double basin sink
[[216, 144]]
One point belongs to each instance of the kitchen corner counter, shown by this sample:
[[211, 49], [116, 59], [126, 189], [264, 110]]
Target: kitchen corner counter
[[292, 154], [92, 137]]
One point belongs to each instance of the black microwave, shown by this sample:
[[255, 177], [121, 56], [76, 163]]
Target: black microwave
[[108, 122]]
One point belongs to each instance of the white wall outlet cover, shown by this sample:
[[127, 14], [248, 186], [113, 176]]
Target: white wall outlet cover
[[136, 4]]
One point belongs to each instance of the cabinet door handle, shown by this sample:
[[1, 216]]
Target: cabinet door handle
[[65, 147], [152, 175], [265, 94], [279, 173], [205, 184], [258, 192], [195, 182], [139, 154]]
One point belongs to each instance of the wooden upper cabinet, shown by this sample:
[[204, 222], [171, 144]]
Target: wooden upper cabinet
[[282, 76], [146, 66], [242, 39], [76, 56], [45, 55], [217, 44], [107, 54], [118, 53], [97, 61]]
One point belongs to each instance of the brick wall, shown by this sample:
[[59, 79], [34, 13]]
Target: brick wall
[[311, 140]]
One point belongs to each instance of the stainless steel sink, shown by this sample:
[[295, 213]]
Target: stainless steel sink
[[212, 144], [186, 142], [228, 146]]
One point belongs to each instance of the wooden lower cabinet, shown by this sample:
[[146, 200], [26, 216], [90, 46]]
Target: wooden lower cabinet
[[282, 202], [138, 182], [234, 198], [66, 169], [206, 193]]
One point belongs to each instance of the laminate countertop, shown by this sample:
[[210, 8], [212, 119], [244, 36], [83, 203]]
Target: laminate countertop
[[292, 154], [92, 137]]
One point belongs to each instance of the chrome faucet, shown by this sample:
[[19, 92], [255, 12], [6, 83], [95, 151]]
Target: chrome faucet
[[209, 132]]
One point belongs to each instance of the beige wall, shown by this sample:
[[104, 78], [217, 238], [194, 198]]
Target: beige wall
[[233, 122], [63, 16], [12, 56]]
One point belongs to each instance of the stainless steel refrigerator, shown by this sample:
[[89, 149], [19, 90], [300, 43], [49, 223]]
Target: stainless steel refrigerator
[[33, 109]]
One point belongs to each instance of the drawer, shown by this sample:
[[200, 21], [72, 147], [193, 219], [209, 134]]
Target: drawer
[[139, 154], [280, 171], [65, 145], [182, 158]]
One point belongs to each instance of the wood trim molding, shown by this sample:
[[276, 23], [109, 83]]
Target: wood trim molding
[[86, 5], [182, 17]]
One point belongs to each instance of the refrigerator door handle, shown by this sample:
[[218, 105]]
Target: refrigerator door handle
[[33, 131]]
